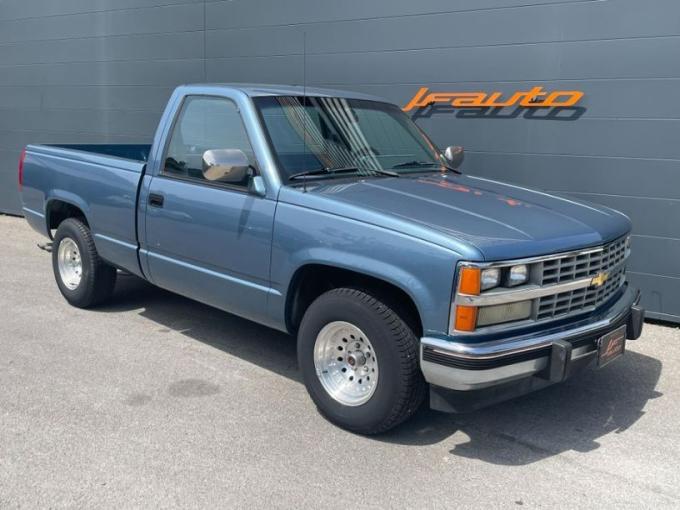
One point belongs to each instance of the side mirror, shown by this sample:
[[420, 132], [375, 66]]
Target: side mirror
[[225, 165], [455, 155]]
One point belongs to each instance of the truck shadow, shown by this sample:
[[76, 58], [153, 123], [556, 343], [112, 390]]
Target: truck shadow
[[571, 416], [233, 335], [566, 417]]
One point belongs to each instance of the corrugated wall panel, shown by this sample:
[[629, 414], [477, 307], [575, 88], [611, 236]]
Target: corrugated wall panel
[[84, 71]]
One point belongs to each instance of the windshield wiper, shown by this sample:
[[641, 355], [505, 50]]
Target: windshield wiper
[[323, 171], [382, 171], [421, 164], [415, 163], [340, 170]]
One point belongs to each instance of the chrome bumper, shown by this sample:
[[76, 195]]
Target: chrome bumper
[[549, 354]]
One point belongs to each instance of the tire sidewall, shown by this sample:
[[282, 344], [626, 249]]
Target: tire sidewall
[[337, 307], [79, 295]]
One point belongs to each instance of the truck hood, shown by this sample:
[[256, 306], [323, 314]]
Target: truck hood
[[502, 221]]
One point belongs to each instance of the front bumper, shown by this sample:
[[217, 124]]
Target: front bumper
[[513, 366]]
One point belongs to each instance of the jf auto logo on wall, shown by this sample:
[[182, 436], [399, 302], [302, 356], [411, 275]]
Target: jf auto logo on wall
[[533, 99]]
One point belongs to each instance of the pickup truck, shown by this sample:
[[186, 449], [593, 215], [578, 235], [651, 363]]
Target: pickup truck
[[331, 216]]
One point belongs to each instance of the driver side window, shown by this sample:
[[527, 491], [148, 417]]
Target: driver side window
[[205, 123]]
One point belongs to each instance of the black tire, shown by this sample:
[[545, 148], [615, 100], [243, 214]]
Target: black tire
[[400, 389], [98, 279]]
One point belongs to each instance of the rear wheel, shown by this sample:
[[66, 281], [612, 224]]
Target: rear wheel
[[359, 361], [82, 277]]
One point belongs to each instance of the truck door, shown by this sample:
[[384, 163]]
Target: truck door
[[208, 240]]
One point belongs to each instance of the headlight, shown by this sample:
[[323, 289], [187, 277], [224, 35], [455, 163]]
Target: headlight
[[517, 275], [474, 281], [491, 278]]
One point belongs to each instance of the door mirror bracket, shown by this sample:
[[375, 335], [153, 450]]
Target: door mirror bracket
[[256, 186]]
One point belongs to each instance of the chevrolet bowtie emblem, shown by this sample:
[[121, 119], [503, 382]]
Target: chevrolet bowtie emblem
[[598, 281]]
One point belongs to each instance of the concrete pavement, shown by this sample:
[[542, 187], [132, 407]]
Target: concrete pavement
[[157, 401]]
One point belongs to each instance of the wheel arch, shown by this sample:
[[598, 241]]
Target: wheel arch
[[58, 209], [313, 279]]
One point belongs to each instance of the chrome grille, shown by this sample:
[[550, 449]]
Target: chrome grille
[[608, 259]]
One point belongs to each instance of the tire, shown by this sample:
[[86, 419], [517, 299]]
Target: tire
[[399, 389], [94, 282]]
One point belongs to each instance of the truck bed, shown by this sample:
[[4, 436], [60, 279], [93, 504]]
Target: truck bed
[[100, 180]]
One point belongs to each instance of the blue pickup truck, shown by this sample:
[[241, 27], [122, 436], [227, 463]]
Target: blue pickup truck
[[331, 216]]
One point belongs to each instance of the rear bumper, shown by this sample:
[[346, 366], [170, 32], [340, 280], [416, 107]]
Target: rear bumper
[[548, 356]]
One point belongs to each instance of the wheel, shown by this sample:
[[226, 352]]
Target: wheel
[[82, 277], [359, 361]]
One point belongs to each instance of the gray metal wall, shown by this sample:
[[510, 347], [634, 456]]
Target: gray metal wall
[[100, 71]]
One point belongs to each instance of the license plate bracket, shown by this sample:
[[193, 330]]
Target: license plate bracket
[[611, 346]]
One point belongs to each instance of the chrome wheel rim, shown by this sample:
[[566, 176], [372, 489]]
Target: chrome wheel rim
[[345, 363], [69, 262]]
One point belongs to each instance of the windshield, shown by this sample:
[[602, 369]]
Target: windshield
[[325, 133]]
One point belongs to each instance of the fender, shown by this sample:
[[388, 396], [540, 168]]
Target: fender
[[67, 197], [390, 273], [411, 284]]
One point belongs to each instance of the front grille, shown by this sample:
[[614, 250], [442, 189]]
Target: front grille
[[608, 259]]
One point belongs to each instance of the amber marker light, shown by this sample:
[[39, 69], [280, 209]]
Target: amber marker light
[[470, 283]]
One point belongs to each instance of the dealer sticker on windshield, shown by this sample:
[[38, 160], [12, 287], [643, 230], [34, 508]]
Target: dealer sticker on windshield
[[611, 346]]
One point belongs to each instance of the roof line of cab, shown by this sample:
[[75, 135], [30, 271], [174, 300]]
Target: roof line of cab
[[259, 90]]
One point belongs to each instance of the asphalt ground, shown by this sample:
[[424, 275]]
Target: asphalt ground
[[158, 401]]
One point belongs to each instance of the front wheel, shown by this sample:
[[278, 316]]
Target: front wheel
[[359, 361]]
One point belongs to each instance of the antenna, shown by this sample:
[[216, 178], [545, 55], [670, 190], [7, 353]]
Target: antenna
[[304, 100]]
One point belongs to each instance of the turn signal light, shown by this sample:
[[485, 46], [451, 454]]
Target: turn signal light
[[466, 318]]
